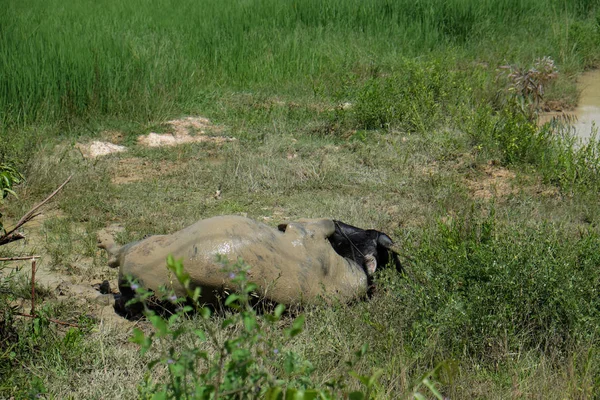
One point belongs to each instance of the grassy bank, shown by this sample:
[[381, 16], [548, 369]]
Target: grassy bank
[[391, 115]]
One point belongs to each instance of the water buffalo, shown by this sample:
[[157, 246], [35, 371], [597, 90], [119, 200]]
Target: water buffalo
[[296, 264]]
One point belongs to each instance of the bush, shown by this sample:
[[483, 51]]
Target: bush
[[486, 291], [415, 99]]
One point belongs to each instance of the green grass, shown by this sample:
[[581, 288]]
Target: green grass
[[145, 60], [498, 217]]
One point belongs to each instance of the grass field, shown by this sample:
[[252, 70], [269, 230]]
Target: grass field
[[392, 115]]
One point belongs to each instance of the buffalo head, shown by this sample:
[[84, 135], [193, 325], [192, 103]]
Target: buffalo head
[[369, 248]]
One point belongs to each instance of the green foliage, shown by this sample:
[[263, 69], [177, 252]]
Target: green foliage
[[428, 380], [525, 88], [561, 158], [485, 291], [38, 343], [82, 59], [569, 163], [248, 363], [512, 134], [414, 99], [9, 176]]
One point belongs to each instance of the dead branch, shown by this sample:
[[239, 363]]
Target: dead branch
[[18, 258], [33, 286], [12, 235], [49, 319]]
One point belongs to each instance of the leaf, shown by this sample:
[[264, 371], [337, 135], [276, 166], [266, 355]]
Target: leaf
[[356, 396], [375, 377], [138, 336], [289, 365], [231, 298], [205, 312], [294, 394], [274, 393], [279, 310], [432, 388], [312, 394], [141, 339], [249, 322], [200, 333], [227, 322], [419, 396], [297, 326], [298, 322], [160, 395], [159, 324], [171, 262], [363, 350], [363, 379], [173, 318], [196, 294]]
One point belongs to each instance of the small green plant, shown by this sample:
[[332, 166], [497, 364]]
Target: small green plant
[[526, 87], [245, 364], [429, 381], [9, 177]]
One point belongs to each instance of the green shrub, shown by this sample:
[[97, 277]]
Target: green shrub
[[487, 291], [415, 98], [250, 362]]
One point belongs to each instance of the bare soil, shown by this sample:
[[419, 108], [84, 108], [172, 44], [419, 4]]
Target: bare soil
[[182, 131]]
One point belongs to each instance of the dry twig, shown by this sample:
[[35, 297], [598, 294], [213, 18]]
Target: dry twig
[[12, 235]]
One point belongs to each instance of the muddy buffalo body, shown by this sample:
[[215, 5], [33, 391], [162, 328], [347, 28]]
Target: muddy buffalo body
[[299, 263]]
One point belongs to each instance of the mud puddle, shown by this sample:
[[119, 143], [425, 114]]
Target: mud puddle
[[585, 119]]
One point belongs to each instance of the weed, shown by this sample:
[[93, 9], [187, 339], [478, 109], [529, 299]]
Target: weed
[[526, 88], [9, 177]]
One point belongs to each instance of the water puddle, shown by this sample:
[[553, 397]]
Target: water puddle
[[585, 119]]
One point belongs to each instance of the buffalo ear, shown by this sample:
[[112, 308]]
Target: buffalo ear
[[371, 263], [384, 240], [282, 227]]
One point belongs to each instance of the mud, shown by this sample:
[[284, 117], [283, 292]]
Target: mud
[[298, 266], [59, 284]]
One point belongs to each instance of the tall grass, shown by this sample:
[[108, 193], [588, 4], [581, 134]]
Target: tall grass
[[72, 59]]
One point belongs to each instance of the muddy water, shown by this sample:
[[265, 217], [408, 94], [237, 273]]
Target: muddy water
[[586, 117]]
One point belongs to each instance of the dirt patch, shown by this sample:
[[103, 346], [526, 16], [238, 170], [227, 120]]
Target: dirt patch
[[98, 149], [496, 182], [135, 169], [74, 282], [185, 130]]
